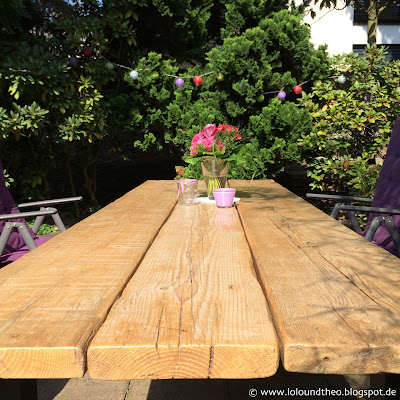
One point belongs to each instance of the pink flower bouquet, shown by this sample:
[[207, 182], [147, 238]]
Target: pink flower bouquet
[[216, 147], [214, 140], [218, 142]]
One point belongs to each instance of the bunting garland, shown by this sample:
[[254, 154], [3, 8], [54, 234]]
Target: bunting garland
[[198, 79]]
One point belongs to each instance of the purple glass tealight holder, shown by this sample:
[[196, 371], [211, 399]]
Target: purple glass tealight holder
[[224, 197]]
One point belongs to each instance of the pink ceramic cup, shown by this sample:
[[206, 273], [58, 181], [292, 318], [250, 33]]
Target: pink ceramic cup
[[224, 197]]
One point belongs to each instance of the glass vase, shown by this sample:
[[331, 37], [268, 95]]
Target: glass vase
[[187, 192], [215, 172]]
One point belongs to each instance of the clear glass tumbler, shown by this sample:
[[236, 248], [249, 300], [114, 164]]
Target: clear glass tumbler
[[215, 172], [187, 192]]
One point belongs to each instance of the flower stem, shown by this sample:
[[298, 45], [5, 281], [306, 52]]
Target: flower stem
[[213, 183]]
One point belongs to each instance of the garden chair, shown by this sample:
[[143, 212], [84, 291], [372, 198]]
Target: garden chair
[[384, 213], [16, 238]]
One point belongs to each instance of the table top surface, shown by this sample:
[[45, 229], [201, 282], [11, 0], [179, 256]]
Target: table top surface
[[148, 289]]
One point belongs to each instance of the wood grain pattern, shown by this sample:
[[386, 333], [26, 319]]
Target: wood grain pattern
[[334, 297], [54, 299], [194, 308]]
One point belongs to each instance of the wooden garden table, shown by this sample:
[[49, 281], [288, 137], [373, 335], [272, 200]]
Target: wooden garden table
[[147, 289]]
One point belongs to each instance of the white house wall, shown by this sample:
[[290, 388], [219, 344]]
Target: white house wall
[[336, 29]]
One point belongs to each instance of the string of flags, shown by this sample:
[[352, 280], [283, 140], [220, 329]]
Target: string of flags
[[198, 79]]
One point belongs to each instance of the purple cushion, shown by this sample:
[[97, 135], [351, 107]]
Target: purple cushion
[[9, 257], [387, 192], [8, 206]]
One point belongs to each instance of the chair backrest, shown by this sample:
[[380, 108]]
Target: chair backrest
[[387, 192], [8, 206]]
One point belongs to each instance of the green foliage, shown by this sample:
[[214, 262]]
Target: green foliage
[[88, 118], [8, 180], [26, 119], [44, 229], [149, 98], [241, 15], [352, 122], [16, 18], [275, 134], [178, 29], [275, 54], [46, 104], [57, 115]]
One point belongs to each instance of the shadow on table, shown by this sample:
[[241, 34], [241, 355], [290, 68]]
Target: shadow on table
[[243, 195], [267, 195]]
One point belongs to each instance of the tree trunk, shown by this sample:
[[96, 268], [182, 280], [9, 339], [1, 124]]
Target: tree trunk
[[88, 184], [89, 171], [45, 182], [372, 25], [73, 189]]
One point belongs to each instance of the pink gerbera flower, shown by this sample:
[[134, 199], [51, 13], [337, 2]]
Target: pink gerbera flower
[[208, 131]]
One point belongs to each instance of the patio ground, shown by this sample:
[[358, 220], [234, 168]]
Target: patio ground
[[88, 389]]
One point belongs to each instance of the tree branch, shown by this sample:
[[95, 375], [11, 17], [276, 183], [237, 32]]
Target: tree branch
[[385, 5], [331, 9]]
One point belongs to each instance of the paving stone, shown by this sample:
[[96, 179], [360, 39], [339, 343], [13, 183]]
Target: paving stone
[[138, 389], [200, 389], [83, 389], [48, 389], [179, 389], [287, 382]]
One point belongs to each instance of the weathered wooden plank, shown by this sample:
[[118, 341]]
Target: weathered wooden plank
[[194, 308], [54, 299], [334, 296]]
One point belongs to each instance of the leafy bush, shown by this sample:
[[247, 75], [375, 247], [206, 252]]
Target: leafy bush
[[351, 122], [69, 116], [50, 110], [44, 229], [273, 55], [7, 178]]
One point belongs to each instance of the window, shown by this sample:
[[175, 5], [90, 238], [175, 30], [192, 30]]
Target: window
[[390, 16]]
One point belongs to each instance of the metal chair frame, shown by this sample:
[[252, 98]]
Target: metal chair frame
[[351, 209], [40, 214]]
